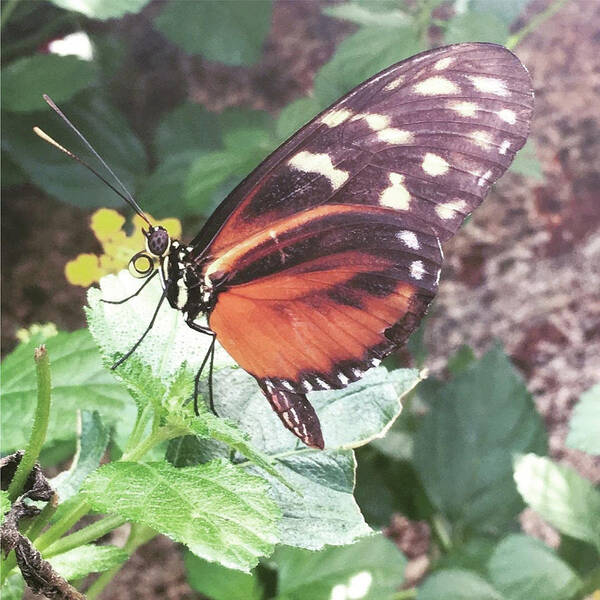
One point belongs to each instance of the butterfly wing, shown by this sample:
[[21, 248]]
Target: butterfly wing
[[326, 256]]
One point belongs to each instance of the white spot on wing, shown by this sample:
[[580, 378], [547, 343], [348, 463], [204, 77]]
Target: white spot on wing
[[374, 121], [322, 383], [448, 210], [356, 372], [504, 146], [443, 63], [489, 85], [287, 385], [395, 136], [507, 115], [482, 138], [375, 362], [435, 86], [417, 269], [464, 109], [321, 164], [396, 196], [343, 379], [396, 83], [434, 165], [409, 239], [336, 117], [484, 178]]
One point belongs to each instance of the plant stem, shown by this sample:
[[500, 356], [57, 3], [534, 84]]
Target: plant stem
[[40, 521], [63, 525], [7, 10], [137, 536], [157, 437], [516, 37], [84, 536], [440, 531], [40, 424], [138, 429], [406, 594]]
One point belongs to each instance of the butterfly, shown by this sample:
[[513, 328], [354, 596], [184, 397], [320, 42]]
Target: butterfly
[[324, 259]]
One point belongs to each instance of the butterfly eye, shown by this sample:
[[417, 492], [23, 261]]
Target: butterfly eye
[[141, 265]]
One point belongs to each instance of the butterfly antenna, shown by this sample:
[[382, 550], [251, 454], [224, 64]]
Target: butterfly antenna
[[125, 194]]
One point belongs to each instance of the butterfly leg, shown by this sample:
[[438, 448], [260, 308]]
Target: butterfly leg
[[210, 357], [296, 413], [150, 326], [132, 295]]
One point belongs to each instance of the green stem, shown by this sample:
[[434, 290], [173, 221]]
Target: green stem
[[42, 519], [63, 525], [139, 428], [7, 10], [137, 536], [516, 37], [157, 437], [440, 531], [86, 535], [40, 424], [406, 594]]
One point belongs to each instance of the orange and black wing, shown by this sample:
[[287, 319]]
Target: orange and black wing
[[326, 256]]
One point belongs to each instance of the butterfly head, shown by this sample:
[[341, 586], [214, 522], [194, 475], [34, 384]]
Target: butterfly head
[[158, 241]]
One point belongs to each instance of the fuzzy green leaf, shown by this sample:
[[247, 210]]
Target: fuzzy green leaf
[[231, 32], [26, 79], [79, 381], [522, 568], [584, 428], [370, 569], [107, 9], [560, 496], [362, 55], [457, 584], [83, 560], [464, 446], [92, 439], [220, 583], [220, 512], [58, 175]]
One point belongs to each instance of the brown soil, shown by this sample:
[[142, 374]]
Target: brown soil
[[526, 269]]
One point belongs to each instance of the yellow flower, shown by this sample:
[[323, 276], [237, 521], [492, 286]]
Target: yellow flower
[[118, 247]]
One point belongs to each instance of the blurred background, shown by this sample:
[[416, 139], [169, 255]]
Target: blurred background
[[183, 98]]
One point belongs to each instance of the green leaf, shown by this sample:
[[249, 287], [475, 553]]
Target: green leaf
[[476, 26], [231, 32], [473, 555], [13, 588], [86, 559], [507, 10], [189, 127], [368, 15], [362, 55], [461, 360], [220, 583], [585, 422], [61, 77], [372, 568], [581, 556], [12, 174], [4, 504], [295, 115], [522, 568], [560, 496], [457, 584], [526, 163], [58, 175], [79, 381], [325, 511], [220, 512], [464, 446], [107, 9], [92, 439]]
